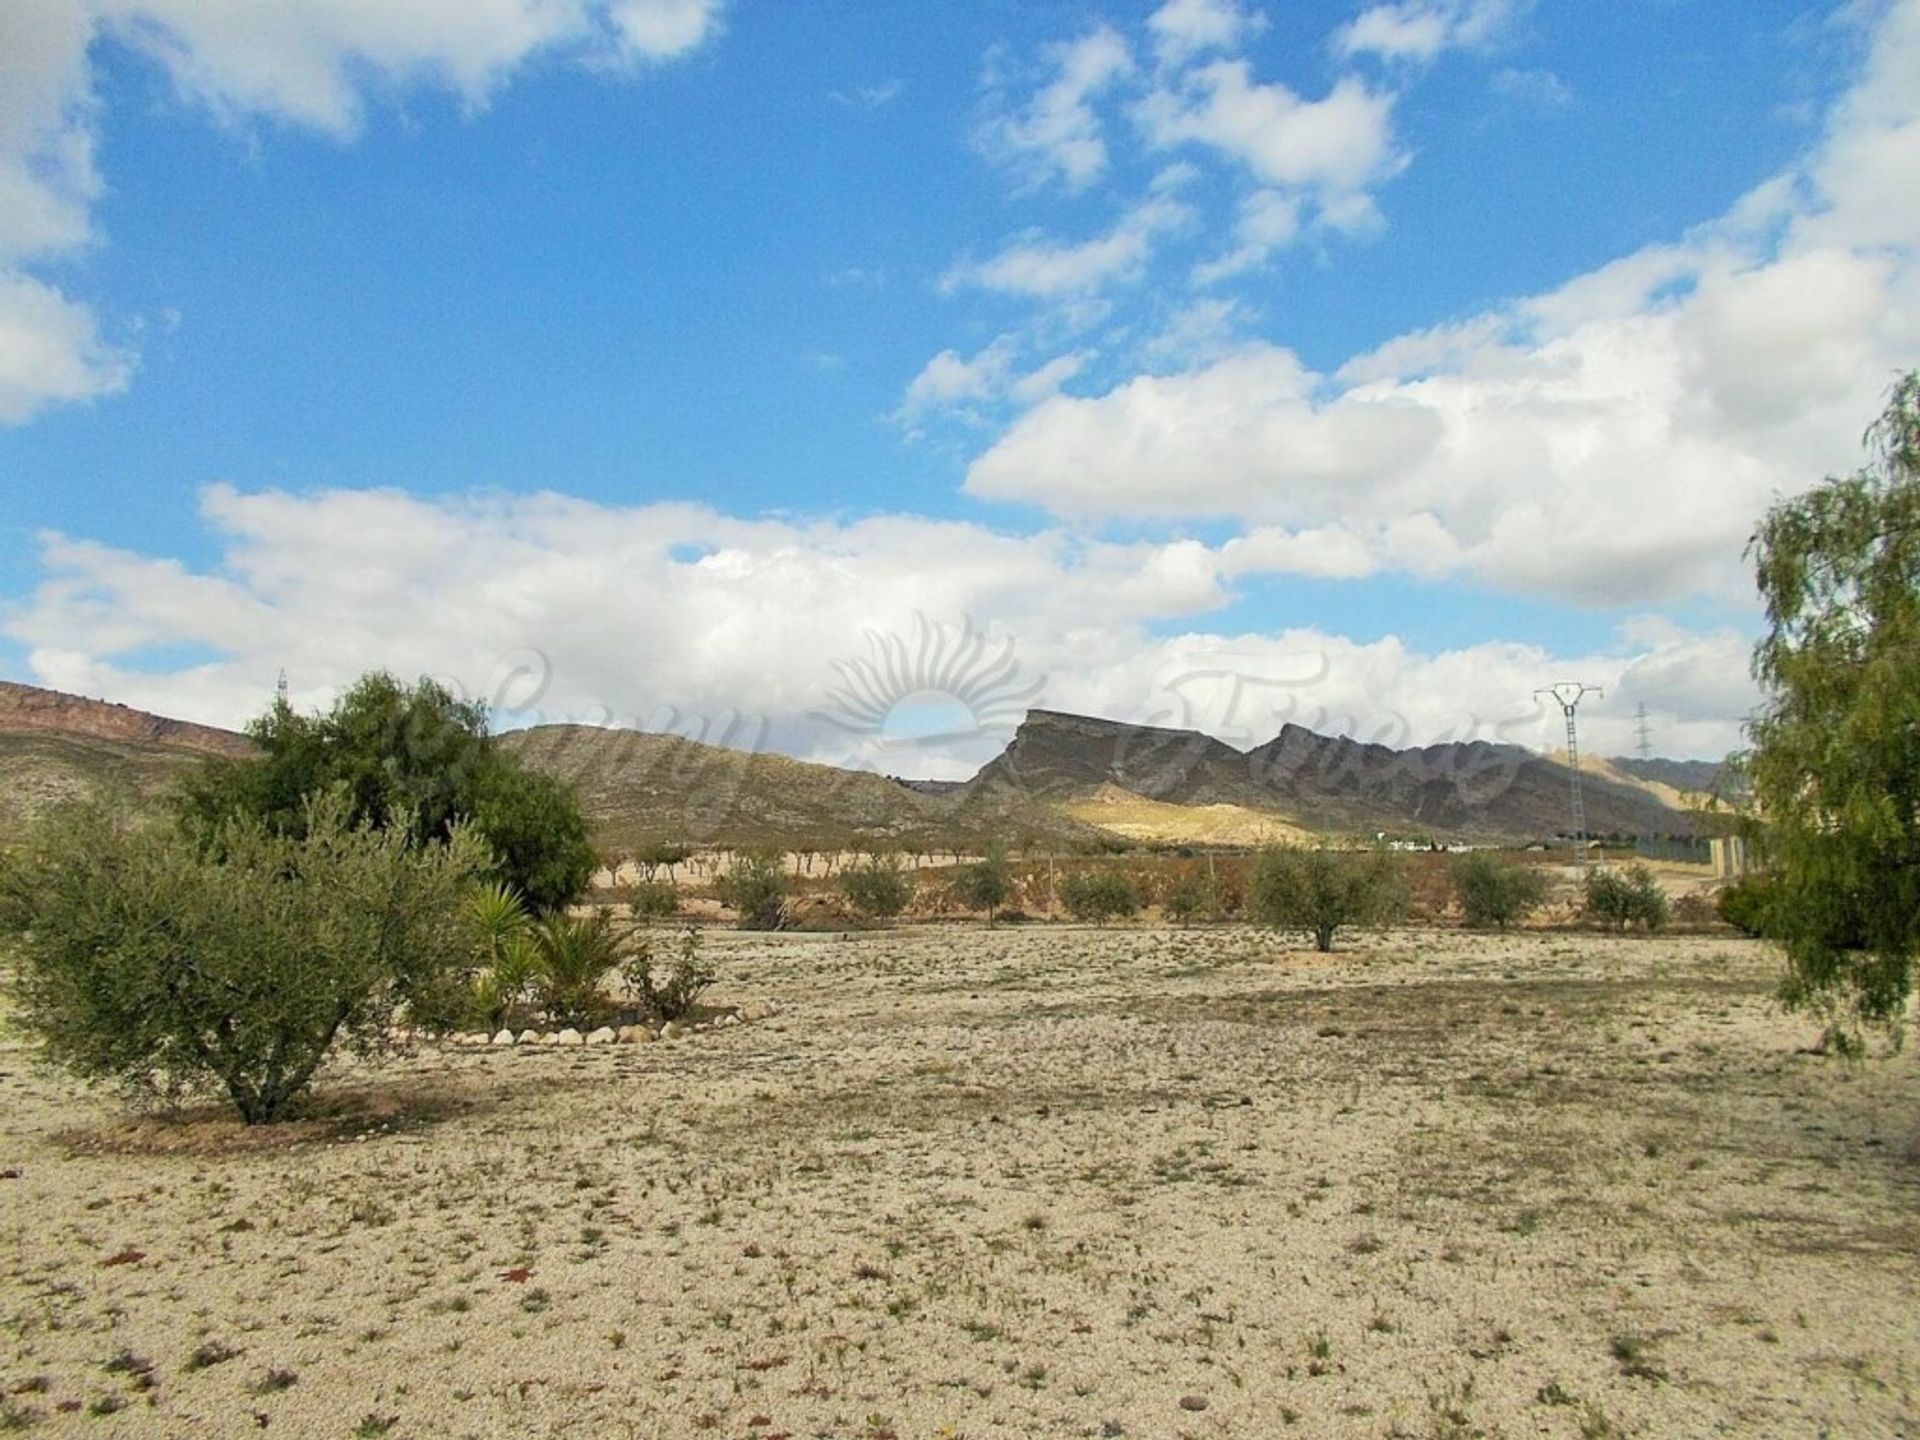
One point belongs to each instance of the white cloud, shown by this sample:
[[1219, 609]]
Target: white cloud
[[303, 62], [1333, 147], [1613, 441], [1268, 221], [1038, 266], [968, 387], [1058, 134], [1418, 30], [51, 350], [678, 617], [1184, 28]]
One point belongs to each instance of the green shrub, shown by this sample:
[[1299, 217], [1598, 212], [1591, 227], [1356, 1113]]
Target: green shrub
[[1620, 899], [755, 888], [1322, 890], [878, 887], [235, 959], [1099, 895], [1496, 893], [667, 992], [1746, 904], [652, 900]]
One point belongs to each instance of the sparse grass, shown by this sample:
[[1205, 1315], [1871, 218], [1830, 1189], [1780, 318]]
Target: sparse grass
[[998, 1174]]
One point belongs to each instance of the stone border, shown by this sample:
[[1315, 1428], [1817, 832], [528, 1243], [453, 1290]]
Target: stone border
[[606, 1034]]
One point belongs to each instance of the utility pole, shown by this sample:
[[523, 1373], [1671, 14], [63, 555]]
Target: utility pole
[[1568, 694], [1644, 733]]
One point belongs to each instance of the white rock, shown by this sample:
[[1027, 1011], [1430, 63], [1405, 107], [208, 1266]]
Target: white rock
[[602, 1036], [504, 1037], [529, 1037], [552, 1037], [672, 1030], [569, 1036]]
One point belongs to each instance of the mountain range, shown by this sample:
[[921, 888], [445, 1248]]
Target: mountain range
[[1064, 780]]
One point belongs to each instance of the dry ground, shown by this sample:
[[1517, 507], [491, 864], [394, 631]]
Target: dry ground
[[1019, 1183]]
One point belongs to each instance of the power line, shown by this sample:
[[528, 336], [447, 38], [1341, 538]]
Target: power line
[[1568, 694], [1643, 731]]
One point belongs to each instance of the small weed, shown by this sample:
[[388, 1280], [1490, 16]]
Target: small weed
[[214, 1352], [1634, 1355], [372, 1425], [274, 1381]]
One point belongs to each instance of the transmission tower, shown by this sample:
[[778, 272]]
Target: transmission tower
[[1643, 731], [1568, 694]]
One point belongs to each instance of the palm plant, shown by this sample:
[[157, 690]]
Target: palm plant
[[574, 955]]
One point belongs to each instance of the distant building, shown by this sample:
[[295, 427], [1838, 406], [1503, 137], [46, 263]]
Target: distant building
[[1729, 857]]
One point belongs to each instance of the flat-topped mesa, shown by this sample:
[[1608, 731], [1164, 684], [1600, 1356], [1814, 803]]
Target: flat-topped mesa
[[28, 708], [1324, 782], [1057, 756]]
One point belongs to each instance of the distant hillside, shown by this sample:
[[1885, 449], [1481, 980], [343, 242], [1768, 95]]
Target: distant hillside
[[1689, 777], [26, 709], [1318, 782], [637, 788], [56, 747], [1064, 780]]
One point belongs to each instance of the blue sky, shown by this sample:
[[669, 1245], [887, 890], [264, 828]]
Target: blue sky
[[1392, 358]]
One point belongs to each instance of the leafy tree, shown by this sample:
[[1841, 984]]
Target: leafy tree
[[662, 856], [1747, 904], [1834, 767], [755, 886], [987, 883], [146, 956], [411, 758], [1323, 890], [1195, 894], [1495, 893], [1099, 895], [1624, 898], [877, 887]]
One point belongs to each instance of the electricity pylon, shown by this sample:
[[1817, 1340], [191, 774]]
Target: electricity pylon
[[1568, 694]]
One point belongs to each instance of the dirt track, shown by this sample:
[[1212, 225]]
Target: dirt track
[[1026, 1182]]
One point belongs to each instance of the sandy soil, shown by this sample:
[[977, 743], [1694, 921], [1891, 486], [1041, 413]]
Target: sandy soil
[[1020, 1183]]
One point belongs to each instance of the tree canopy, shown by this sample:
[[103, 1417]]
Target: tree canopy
[[145, 957], [1835, 761], [412, 758]]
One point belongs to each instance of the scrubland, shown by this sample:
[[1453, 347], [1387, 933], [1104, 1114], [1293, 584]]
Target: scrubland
[[1016, 1182]]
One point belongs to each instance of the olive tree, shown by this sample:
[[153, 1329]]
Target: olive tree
[[1099, 895], [1495, 893], [145, 956], [987, 883], [1834, 765], [877, 887], [1323, 890]]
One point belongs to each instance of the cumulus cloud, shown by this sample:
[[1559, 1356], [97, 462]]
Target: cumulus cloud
[[1613, 440], [1332, 148], [1418, 30], [673, 616], [1041, 267], [1182, 29], [300, 62], [1058, 133]]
